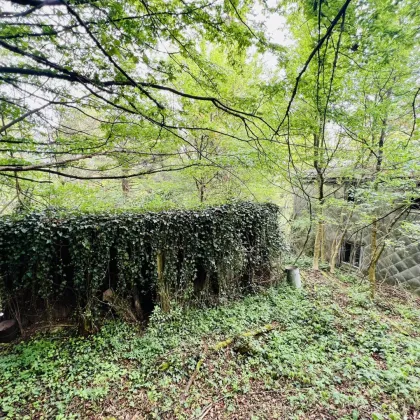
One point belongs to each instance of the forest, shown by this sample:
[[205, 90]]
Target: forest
[[167, 166]]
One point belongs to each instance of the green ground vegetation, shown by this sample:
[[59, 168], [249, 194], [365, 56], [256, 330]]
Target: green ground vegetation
[[327, 351]]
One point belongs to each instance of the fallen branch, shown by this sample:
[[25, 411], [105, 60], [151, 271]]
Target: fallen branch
[[221, 345], [209, 407]]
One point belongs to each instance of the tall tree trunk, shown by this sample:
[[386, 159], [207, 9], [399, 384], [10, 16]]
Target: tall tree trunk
[[125, 183], [202, 190], [200, 184], [125, 186], [322, 254], [317, 245], [374, 232], [335, 251], [374, 258]]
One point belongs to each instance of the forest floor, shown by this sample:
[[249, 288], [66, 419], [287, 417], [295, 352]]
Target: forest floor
[[326, 352]]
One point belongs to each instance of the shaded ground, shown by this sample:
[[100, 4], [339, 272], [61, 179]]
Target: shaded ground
[[332, 353]]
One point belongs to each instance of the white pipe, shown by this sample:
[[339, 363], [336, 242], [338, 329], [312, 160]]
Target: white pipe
[[293, 277]]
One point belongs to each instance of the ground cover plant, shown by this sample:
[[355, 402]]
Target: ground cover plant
[[127, 107], [326, 351]]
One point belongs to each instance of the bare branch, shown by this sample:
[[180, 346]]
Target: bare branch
[[309, 59]]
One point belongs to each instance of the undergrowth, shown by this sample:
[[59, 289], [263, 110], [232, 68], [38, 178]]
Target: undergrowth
[[332, 354]]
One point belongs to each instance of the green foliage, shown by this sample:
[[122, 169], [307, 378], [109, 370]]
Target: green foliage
[[206, 254], [138, 128], [328, 357]]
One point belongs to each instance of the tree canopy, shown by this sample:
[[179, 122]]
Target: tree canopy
[[206, 99]]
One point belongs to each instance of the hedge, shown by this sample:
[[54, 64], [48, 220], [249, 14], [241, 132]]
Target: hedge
[[185, 256]]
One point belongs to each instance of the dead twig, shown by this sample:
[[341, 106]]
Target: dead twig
[[219, 346], [209, 407]]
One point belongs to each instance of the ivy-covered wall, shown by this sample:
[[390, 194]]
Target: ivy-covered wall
[[185, 256]]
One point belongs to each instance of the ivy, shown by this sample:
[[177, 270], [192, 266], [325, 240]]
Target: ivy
[[205, 255]]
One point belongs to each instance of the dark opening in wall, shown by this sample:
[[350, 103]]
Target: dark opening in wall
[[415, 199], [347, 252], [415, 204], [351, 253], [350, 193], [357, 254]]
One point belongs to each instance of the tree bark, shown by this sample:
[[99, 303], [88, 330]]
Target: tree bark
[[322, 244], [318, 165], [125, 184], [374, 258], [317, 245], [335, 251]]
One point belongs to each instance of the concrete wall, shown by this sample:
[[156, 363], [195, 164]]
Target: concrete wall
[[399, 262]]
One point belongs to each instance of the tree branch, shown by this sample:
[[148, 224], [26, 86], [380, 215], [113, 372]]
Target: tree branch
[[309, 59]]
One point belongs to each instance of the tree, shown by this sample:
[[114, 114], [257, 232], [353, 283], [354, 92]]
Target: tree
[[337, 122], [383, 126], [113, 63]]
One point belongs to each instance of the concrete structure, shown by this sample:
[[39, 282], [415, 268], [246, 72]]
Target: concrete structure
[[399, 262]]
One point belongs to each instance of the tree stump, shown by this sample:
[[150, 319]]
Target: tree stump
[[293, 276]]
